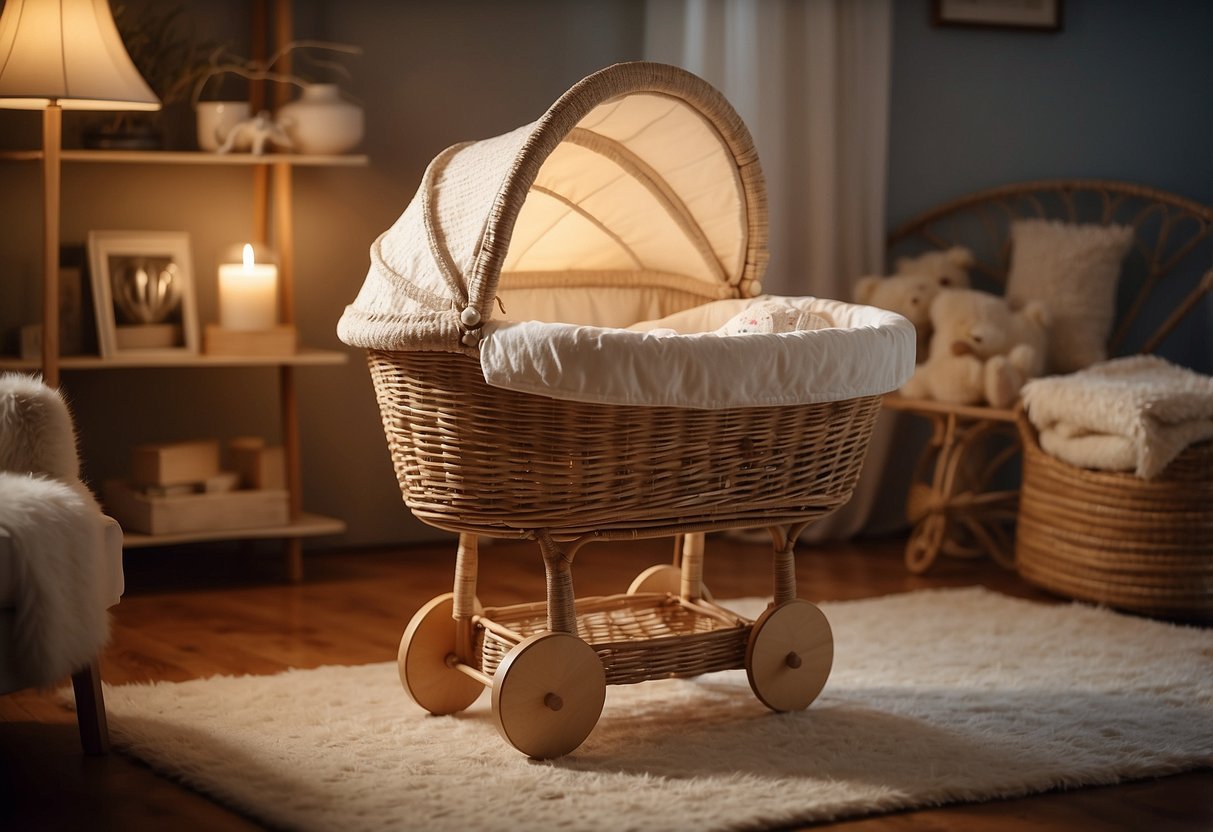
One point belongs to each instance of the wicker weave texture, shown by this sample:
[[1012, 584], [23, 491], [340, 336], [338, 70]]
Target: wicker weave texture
[[474, 458], [1116, 539], [638, 637]]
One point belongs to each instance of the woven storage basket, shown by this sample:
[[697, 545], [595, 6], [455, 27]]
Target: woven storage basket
[[1117, 539], [638, 637], [479, 459]]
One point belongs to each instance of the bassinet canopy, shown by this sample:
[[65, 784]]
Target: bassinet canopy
[[636, 195]]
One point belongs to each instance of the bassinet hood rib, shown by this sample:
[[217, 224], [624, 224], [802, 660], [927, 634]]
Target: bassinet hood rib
[[641, 172]]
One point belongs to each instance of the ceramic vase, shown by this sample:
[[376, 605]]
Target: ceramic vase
[[321, 121]]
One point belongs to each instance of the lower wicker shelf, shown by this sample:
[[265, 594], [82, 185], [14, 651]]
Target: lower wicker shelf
[[307, 525]]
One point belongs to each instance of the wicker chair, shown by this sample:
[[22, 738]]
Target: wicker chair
[[964, 496]]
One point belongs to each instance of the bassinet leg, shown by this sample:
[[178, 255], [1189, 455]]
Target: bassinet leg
[[466, 567], [791, 648], [784, 538], [558, 566], [691, 587], [434, 658]]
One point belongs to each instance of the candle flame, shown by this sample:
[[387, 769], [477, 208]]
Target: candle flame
[[248, 256]]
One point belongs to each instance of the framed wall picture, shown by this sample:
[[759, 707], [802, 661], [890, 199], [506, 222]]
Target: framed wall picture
[[1028, 15], [143, 292]]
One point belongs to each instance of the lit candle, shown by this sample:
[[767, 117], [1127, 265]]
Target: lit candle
[[248, 294]]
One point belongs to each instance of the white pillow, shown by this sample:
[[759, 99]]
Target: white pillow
[[1073, 270]]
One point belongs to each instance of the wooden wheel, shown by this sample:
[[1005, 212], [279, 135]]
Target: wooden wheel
[[664, 577], [548, 693], [422, 660], [789, 655]]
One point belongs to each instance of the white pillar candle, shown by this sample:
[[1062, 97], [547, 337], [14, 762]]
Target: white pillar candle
[[248, 294]]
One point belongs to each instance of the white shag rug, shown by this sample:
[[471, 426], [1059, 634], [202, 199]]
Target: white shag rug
[[936, 696]]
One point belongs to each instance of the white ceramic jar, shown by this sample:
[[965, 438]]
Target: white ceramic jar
[[216, 119], [321, 121]]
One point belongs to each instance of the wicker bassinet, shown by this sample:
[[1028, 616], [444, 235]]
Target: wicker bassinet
[[636, 196]]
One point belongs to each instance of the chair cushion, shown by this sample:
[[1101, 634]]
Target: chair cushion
[[1073, 270]]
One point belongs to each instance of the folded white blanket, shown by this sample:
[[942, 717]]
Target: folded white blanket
[[1128, 414], [51, 537]]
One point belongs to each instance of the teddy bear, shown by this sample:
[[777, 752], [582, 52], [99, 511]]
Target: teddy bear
[[909, 295], [917, 281], [982, 350], [949, 267]]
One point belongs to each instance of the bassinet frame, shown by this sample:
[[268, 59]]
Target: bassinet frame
[[485, 461]]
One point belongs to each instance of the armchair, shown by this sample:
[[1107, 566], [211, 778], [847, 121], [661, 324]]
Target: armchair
[[60, 557], [964, 497]]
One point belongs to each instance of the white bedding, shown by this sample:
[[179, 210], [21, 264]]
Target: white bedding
[[866, 351]]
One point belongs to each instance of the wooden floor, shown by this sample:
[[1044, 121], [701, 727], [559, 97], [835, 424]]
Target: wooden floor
[[197, 611]]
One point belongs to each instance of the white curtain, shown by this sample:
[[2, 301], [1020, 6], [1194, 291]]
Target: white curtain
[[811, 80]]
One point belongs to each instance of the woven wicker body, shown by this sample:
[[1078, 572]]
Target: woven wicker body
[[1116, 539], [637, 196], [473, 458]]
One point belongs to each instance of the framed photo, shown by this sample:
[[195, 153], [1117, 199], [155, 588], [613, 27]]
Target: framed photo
[[1027, 15], [143, 292]]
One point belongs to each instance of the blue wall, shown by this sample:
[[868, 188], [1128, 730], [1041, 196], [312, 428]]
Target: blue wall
[[1124, 91]]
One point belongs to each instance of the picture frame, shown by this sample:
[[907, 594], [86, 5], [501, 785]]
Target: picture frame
[[1024, 15], [143, 293]]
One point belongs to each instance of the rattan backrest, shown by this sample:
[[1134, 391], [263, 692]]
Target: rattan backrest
[[1164, 277]]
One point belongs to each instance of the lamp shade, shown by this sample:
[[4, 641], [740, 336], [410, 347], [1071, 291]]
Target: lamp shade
[[67, 52]]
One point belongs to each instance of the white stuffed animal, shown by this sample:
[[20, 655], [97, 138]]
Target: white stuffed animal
[[917, 281], [982, 350], [949, 268]]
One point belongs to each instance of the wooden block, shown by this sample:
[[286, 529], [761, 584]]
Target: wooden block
[[260, 466], [281, 340], [220, 483], [147, 336], [168, 490], [175, 463], [195, 512]]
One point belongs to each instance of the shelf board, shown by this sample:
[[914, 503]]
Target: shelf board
[[305, 357], [308, 525], [192, 157]]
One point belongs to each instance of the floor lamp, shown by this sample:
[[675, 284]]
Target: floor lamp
[[60, 55]]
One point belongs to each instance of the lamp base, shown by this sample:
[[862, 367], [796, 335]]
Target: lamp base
[[280, 340]]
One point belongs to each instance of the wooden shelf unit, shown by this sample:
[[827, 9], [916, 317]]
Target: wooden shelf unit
[[271, 199], [303, 358], [189, 157], [305, 525]]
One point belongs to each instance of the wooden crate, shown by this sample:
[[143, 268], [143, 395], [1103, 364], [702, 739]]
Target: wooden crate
[[183, 513]]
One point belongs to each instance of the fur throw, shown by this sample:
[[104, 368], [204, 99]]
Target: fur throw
[[54, 530], [36, 433]]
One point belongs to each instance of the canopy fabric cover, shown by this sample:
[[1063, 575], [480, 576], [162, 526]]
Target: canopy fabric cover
[[640, 181]]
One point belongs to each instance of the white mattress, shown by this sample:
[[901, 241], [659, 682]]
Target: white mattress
[[866, 351]]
